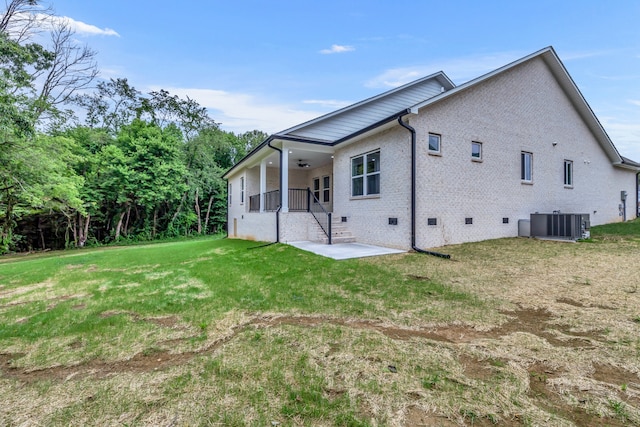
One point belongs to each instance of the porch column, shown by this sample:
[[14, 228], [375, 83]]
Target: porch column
[[263, 183], [284, 183]]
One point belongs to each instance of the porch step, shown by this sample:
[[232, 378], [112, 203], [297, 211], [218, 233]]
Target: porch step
[[339, 233]]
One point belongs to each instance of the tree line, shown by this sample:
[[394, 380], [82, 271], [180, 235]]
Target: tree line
[[135, 166]]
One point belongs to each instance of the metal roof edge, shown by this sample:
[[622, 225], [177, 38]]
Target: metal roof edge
[[440, 75], [628, 164]]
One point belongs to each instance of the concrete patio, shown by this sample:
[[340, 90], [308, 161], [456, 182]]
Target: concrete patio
[[344, 250]]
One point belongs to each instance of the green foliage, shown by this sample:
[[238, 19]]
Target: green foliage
[[143, 167]]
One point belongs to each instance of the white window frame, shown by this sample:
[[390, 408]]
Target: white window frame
[[242, 190], [568, 173], [230, 193], [326, 190], [526, 166], [365, 175], [477, 158], [316, 188], [439, 139]]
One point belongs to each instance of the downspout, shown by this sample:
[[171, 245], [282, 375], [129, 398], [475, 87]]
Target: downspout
[[280, 194], [637, 194], [413, 194]]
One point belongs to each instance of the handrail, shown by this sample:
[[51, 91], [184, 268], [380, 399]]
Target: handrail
[[313, 210], [298, 201]]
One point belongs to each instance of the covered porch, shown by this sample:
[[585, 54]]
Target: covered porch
[[305, 180], [293, 179]]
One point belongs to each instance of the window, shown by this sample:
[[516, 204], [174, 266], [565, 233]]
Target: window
[[316, 189], [434, 143], [432, 221], [526, 161], [229, 194], [365, 174], [468, 220], [241, 189], [476, 150], [568, 173], [325, 189]]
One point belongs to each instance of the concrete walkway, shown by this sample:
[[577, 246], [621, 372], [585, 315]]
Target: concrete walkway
[[344, 250]]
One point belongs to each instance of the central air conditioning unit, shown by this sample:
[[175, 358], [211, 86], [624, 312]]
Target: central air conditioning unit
[[558, 225]]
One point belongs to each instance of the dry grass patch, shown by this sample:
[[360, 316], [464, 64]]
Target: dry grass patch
[[513, 332]]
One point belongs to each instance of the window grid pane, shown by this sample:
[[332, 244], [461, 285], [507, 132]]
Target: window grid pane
[[373, 162], [476, 150], [357, 186], [373, 184], [357, 166], [434, 142], [525, 166], [568, 172]]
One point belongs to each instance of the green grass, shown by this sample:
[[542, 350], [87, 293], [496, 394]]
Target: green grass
[[215, 305], [630, 229], [95, 295]]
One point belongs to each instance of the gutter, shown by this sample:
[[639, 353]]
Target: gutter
[[268, 141], [413, 193]]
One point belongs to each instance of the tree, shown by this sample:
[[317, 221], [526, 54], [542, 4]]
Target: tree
[[141, 171], [22, 18], [114, 104], [72, 68], [163, 109], [37, 177]]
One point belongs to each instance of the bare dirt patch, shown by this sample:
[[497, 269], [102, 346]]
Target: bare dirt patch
[[532, 321], [548, 399]]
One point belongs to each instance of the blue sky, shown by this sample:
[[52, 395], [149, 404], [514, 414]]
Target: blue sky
[[271, 64]]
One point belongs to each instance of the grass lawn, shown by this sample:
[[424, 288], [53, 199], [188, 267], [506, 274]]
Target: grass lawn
[[225, 332]]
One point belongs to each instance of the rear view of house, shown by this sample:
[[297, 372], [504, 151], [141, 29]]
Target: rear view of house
[[430, 163]]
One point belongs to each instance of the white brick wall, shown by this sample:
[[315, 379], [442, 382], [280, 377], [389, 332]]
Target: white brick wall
[[368, 218], [523, 109]]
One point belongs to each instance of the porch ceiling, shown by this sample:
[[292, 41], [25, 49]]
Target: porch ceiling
[[300, 156]]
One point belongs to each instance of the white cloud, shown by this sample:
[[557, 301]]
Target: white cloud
[[240, 112], [328, 103], [625, 134], [79, 27], [336, 48], [458, 69]]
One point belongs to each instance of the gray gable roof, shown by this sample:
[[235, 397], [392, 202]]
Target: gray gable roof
[[350, 120]]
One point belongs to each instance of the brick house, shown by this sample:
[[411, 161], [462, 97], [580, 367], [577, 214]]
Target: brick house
[[431, 163]]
